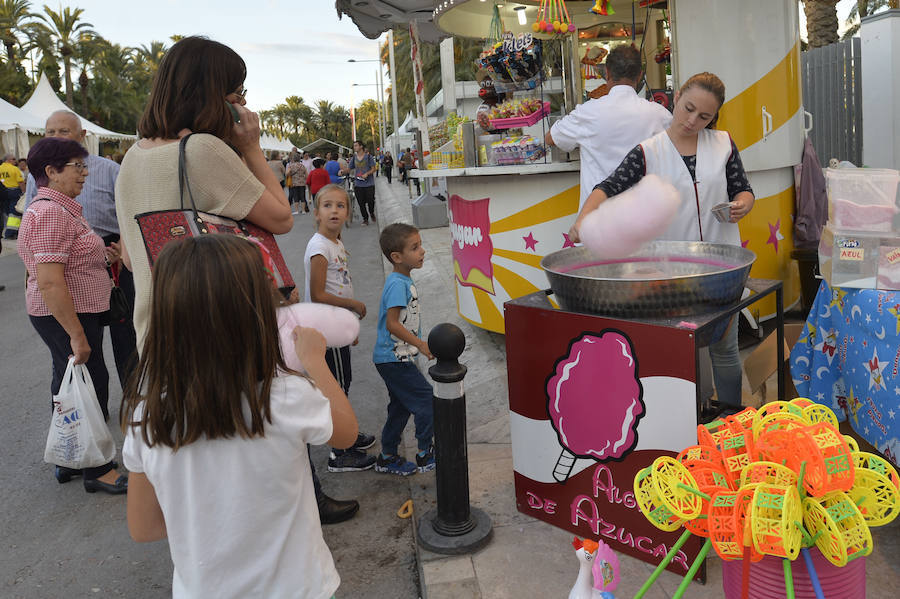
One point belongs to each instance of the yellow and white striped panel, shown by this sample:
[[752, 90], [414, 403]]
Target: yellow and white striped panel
[[754, 47], [541, 208]]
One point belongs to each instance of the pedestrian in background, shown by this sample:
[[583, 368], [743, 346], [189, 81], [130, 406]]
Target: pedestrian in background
[[277, 167], [387, 163], [13, 186], [363, 167], [317, 179], [297, 173]]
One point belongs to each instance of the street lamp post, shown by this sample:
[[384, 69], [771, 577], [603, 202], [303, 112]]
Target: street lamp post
[[380, 121], [379, 83]]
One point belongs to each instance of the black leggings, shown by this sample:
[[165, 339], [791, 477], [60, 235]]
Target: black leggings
[[365, 196], [297, 195]]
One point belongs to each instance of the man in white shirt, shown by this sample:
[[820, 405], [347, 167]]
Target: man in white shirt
[[607, 128]]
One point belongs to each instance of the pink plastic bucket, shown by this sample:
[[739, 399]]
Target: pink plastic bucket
[[767, 578]]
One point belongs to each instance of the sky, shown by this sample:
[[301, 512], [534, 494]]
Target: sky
[[291, 48]]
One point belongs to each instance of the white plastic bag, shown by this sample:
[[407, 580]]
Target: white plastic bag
[[78, 436]]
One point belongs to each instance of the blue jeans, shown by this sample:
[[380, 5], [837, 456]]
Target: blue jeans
[[409, 393], [727, 366]]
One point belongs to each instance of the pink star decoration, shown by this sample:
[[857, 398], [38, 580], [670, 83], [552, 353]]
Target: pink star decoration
[[745, 243], [775, 234], [530, 242], [568, 242]]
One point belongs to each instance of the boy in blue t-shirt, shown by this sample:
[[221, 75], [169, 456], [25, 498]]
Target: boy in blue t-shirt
[[396, 348]]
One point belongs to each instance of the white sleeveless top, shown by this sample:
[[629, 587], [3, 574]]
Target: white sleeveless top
[[694, 221]]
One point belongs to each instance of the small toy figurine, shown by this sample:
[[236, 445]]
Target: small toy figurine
[[597, 563], [584, 550]]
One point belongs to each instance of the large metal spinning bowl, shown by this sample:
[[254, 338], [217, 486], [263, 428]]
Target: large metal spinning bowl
[[663, 279]]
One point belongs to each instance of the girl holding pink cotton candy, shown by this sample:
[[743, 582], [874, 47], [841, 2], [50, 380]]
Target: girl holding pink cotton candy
[[699, 170]]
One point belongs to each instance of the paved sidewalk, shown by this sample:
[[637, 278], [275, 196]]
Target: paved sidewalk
[[526, 558]]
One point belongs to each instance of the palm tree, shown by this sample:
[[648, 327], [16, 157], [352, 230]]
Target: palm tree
[[14, 18], [821, 22], [298, 117], [325, 119], [117, 93], [65, 28], [42, 53], [368, 115], [88, 48]]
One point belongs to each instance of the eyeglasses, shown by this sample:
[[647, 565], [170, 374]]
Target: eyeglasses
[[79, 165], [242, 92]]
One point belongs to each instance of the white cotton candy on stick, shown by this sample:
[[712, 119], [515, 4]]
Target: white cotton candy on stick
[[623, 223], [339, 326]]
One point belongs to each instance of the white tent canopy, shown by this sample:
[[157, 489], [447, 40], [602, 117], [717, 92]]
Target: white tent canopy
[[272, 143], [15, 124], [43, 102], [12, 117]]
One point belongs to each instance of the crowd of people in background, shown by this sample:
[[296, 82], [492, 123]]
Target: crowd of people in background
[[88, 270]]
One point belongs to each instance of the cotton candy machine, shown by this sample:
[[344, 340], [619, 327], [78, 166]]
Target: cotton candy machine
[[663, 279]]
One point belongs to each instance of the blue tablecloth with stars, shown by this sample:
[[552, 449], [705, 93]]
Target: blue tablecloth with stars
[[848, 358]]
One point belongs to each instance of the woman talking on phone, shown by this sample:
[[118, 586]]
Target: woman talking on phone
[[705, 167], [199, 89]]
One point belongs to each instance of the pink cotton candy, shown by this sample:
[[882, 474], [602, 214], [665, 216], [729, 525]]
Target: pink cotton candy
[[862, 217], [623, 223], [340, 327], [595, 397]]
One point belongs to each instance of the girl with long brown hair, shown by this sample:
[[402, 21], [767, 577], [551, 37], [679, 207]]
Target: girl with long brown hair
[[216, 428]]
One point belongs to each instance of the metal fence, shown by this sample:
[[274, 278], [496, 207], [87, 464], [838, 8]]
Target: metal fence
[[832, 92]]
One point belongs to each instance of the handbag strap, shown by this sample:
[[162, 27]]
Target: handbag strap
[[183, 184]]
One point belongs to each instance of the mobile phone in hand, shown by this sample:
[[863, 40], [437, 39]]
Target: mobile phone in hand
[[234, 112]]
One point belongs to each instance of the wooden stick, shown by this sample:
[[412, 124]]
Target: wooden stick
[[665, 562]]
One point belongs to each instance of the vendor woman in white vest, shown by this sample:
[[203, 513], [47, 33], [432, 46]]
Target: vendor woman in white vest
[[705, 167]]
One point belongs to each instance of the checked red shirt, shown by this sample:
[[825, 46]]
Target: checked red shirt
[[54, 231]]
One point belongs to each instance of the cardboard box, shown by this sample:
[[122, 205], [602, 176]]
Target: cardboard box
[[762, 363]]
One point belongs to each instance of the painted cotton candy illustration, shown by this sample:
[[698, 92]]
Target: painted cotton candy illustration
[[594, 400]]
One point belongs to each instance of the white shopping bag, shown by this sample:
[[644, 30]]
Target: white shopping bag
[[78, 436]]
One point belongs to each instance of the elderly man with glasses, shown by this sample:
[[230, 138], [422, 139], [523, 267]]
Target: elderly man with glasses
[[98, 202]]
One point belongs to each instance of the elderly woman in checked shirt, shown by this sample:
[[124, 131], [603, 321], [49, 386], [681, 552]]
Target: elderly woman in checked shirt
[[68, 286]]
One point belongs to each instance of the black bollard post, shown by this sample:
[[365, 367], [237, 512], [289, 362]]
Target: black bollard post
[[454, 527]]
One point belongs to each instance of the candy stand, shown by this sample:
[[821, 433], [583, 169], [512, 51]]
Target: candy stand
[[603, 380], [504, 219]]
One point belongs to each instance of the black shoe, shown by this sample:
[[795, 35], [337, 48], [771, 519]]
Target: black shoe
[[92, 485], [363, 441], [332, 511], [349, 460], [64, 475]]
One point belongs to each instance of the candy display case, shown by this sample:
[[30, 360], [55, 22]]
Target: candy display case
[[863, 199]]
